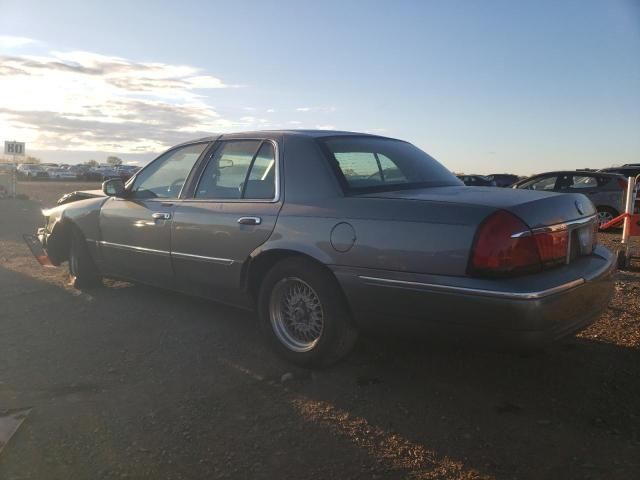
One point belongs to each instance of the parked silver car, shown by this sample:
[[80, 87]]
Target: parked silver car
[[605, 190], [326, 233]]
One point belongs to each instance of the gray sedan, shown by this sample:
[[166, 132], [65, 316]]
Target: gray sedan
[[605, 190], [328, 233]]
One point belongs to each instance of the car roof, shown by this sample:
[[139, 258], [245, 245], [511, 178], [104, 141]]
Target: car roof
[[311, 133], [576, 172], [623, 168]]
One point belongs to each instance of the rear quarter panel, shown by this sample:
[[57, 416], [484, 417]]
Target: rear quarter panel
[[399, 235]]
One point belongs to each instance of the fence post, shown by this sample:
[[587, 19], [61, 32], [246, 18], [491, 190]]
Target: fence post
[[626, 229]]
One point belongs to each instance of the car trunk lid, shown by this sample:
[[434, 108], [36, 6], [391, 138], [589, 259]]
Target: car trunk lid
[[536, 209]]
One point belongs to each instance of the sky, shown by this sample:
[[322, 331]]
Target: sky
[[484, 87]]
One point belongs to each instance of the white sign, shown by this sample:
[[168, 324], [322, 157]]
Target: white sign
[[14, 148]]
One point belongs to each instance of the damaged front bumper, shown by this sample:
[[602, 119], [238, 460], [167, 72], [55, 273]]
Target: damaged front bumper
[[36, 243]]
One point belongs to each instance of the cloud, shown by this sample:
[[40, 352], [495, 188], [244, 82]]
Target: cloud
[[87, 101], [9, 41], [326, 127], [294, 122], [375, 130], [330, 109], [271, 110]]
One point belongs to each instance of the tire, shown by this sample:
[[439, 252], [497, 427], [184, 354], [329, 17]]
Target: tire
[[83, 273], [621, 259], [605, 214], [297, 290]]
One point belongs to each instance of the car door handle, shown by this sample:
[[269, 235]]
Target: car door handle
[[161, 216], [249, 220]]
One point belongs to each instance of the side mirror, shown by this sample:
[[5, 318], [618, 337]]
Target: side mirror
[[113, 187]]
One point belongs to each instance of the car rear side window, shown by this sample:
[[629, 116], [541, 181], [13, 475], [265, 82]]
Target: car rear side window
[[584, 181], [261, 181], [375, 164], [239, 169]]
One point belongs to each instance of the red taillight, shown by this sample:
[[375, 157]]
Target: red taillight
[[504, 245], [622, 183], [552, 246]]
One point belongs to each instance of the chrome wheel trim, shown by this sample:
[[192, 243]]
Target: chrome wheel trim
[[296, 314], [604, 217]]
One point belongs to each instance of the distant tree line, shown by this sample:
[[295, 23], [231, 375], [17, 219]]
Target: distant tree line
[[111, 160]]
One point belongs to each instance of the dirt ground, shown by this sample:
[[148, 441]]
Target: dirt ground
[[47, 192], [134, 382]]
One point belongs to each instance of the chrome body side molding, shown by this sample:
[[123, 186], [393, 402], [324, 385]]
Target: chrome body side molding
[[202, 258], [120, 246], [388, 282], [185, 256]]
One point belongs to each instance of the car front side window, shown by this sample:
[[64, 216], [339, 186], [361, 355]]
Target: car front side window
[[165, 177]]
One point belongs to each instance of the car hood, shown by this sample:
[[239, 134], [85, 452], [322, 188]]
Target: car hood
[[91, 193], [79, 195], [536, 208]]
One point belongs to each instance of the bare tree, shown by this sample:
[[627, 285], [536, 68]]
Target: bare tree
[[114, 161]]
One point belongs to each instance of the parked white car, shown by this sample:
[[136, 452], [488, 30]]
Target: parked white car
[[30, 170], [61, 174]]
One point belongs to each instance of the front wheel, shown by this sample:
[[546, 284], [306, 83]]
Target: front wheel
[[83, 272], [622, 260], [303, 314]]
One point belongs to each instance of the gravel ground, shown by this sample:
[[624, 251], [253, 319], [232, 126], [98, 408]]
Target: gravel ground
[[135, 382]]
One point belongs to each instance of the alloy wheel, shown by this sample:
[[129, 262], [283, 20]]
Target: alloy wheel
[[296, 314]]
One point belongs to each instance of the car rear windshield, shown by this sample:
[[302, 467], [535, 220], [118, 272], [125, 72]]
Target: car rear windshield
[[371, 164]]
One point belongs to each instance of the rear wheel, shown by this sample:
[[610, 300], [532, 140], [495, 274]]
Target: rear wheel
[[83, 272], [622, 260], [606, 214], [303, 314]]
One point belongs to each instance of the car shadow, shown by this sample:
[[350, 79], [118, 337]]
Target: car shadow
[[131, 380]]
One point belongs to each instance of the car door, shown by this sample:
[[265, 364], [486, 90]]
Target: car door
[[136, 230], [232, 210]]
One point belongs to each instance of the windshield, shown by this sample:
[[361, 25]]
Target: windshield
[[368, 164]]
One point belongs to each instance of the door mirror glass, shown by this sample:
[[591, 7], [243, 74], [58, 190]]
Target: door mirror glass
[[113, 187]]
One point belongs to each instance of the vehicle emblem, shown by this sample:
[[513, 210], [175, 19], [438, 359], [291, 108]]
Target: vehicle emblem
[[579, 208]]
